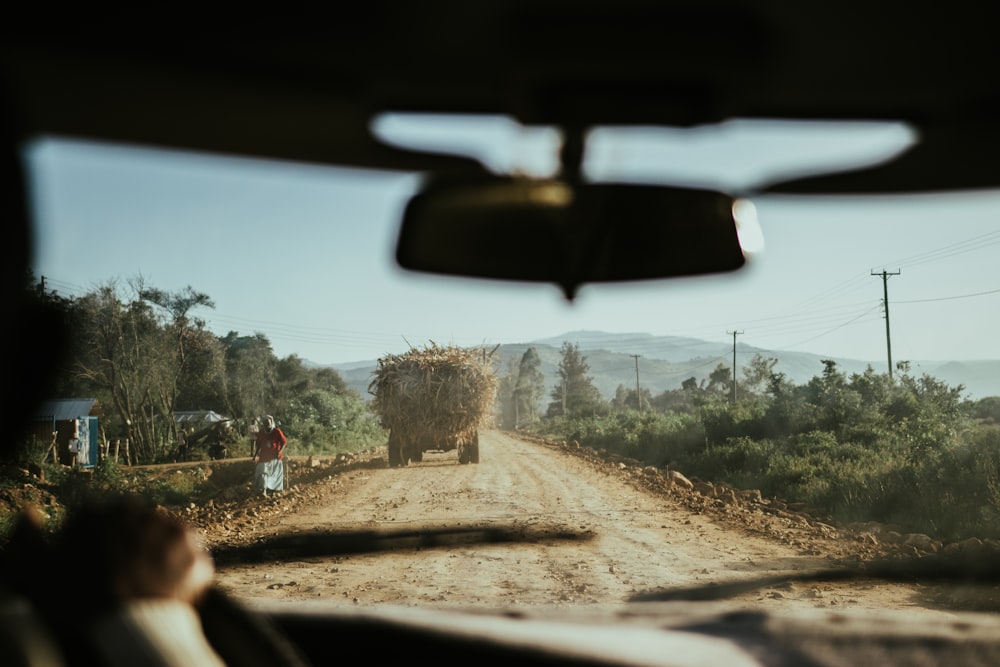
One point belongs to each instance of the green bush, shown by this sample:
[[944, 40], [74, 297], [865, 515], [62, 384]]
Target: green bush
[[655, 438], [324, 422], [865, 448]]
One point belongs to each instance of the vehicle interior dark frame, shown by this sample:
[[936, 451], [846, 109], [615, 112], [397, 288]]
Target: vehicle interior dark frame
[[307, 88]]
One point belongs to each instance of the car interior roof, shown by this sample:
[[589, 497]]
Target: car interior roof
[[307, 90]]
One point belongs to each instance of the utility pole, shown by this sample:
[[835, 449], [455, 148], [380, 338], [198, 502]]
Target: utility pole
[[638, 396], [734, 334], [885, 292], [517, 417]]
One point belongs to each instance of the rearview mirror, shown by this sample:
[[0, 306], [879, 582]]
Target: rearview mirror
[[551, 231]]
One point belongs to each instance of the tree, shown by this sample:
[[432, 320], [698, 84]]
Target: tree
[[330, 380], [575, 395], [250, 379], [625, 399], [640, 400], [677, 400], [178, 304], [987, 409], [186, 354], [757, 374], [142, 352], [119, 338], [506, 405], [201, 383], [838, 405], [720, 380], [620, 401], [529, 387], [940, 414], [788, 411], [291, 379]]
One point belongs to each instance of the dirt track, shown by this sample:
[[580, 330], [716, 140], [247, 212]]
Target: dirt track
[[630, 539]]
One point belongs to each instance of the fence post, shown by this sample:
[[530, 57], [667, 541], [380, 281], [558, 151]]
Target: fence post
[[53, 450]]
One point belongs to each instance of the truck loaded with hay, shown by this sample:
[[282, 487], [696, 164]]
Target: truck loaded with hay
[[434, 399]]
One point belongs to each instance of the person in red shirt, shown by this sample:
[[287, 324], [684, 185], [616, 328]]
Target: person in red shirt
[[269, 474]]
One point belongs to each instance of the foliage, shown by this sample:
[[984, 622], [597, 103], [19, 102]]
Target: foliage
[[520, 391], [60, 488], [987, 410], [652, 437], [757, 375], [575, 395], [505, 408], [249, 380], [630, 399], [81, 486], [31, 452], [909, 452], [325, 421], [529, 388], [144, 355]]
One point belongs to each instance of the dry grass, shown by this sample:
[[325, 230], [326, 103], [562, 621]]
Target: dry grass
[[435, 389]]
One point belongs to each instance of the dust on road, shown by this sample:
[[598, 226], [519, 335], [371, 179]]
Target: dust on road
[[633, 537]]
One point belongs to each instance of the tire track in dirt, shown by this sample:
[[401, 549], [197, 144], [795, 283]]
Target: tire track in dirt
[[641, 540]]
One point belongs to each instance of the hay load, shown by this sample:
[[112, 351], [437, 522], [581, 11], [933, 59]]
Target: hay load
[[434, 398]]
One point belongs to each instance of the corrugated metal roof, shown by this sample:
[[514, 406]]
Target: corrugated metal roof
[[199, 416], [65, 408]]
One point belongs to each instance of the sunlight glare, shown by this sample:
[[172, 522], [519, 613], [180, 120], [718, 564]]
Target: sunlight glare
[[748, 226]]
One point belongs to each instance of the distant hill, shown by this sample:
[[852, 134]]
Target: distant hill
[[980, 378], [666, 361]]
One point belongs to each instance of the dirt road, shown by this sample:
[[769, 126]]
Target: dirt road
[[631, 538]]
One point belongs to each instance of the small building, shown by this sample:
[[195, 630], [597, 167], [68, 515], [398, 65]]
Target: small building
[[73, 424]]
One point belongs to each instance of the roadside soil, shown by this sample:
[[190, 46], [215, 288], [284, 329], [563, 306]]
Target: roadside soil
[[568, 528]]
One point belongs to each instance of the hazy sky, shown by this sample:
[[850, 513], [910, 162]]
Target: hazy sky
[[303, 254]]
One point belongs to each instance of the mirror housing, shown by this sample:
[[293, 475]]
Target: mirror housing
[[551, 231]]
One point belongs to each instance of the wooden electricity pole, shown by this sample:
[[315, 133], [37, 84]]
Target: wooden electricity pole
[[885, 293], [638, 396], [733, 394]]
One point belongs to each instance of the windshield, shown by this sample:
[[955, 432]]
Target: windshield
[[831, 404]]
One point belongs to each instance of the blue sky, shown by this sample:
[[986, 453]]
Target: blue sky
[[303, 254]]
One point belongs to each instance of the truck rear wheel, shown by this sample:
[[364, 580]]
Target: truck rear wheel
[[395, 448], [474, 448], [463, 454]]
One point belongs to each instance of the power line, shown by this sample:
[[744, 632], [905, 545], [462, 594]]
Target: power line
[[854, 284], [952, 298], [957, 248], [830, 331]]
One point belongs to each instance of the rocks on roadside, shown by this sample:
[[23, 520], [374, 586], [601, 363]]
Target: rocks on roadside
[[867, 540]]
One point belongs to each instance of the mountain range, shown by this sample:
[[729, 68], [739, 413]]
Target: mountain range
[[664, 362]]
